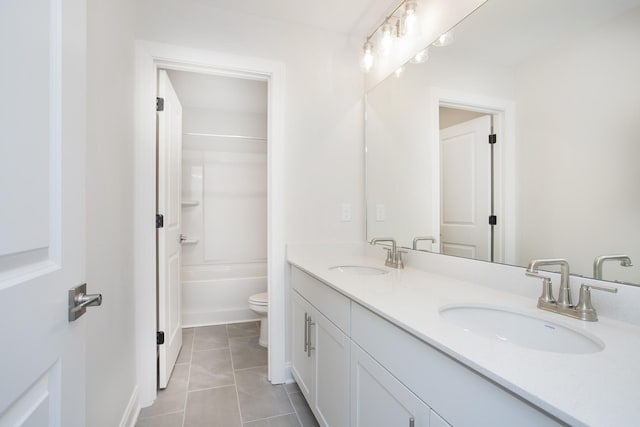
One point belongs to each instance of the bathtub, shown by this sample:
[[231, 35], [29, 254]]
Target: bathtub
[[218, 294]]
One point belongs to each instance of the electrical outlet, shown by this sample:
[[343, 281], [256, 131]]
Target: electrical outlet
[[346, 212], [380, 212]]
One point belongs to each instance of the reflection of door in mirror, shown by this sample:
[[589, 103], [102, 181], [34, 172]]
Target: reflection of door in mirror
[[466, 184]]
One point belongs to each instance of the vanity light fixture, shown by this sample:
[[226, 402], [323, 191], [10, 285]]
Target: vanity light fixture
[[400, 22]]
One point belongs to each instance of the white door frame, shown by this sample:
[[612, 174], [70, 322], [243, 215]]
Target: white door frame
[[149, 57], [504, 160]]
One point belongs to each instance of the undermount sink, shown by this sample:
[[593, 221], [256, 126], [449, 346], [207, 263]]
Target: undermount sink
[[520, 329], [362, 270]]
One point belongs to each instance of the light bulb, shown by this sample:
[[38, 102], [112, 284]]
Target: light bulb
[[367, 57], [399, 71], [409, 16], [385, 42], [444, 40], [420, 57]]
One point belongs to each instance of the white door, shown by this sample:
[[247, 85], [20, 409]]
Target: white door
[[331, 356], [378, 399], [169, 249], [301, 361], [42, 211], [465, 159]]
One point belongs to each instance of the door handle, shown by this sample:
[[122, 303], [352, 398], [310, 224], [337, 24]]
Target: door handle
[[306, 332], [79, 300]]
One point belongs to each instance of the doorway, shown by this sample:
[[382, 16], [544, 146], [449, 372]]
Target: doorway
[[151, 57], [212, 193]]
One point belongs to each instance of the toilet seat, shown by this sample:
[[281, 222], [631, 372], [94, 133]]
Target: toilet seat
[[259, 299]]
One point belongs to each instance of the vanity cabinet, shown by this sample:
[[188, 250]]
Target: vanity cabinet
[[380, 400], [320, 350], [357, 369]]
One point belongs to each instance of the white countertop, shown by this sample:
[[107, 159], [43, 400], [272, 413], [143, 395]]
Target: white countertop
[[596, 389]]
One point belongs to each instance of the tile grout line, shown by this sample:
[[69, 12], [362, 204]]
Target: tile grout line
[[295, 411], [186, 397], [235, 381]]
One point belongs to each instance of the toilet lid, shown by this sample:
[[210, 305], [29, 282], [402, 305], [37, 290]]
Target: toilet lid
[[259, 299]]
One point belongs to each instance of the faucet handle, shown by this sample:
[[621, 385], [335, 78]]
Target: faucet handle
[[584, 308], [546, 300], [399, 262]]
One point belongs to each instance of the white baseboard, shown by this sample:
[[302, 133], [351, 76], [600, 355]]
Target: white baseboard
[[130, 416], [220, 317], [288, 376]]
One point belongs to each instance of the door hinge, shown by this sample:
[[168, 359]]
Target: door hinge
[[493, 220], [159, 104], [492, 138], [159, 220], [160, 337]]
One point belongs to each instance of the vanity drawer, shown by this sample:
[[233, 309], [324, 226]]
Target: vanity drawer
[[459, 394], [332, 304]]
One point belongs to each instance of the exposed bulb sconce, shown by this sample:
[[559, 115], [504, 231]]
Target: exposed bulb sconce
[[409, 16], [367, 58], [400, 22], [444, 40]]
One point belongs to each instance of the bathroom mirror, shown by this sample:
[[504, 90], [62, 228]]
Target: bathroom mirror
[[558, 84]]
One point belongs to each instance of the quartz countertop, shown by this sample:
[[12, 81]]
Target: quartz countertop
[[595, 389]]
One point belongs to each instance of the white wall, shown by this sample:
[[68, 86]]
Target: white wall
[[323, 110], [111, 377], [597, 165]]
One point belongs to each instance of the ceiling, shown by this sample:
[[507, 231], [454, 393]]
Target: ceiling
[[211, 92], [507, 32], [357, 17]]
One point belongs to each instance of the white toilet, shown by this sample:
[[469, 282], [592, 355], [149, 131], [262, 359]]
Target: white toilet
[[260, 304]]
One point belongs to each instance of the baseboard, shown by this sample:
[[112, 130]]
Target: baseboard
[[220, 317], [288, 376], [130, 416]]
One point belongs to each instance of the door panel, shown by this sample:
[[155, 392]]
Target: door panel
[[378, 399], [465, 158], [301, 362], [42, 220], [331, 348], [169, 247]]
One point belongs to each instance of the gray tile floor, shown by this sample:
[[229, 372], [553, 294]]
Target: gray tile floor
[[220, 380]]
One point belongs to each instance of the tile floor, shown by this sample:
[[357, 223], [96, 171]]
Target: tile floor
[[220, 380]]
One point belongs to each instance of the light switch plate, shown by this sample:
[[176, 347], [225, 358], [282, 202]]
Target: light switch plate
[[380, 212], [346, 212]]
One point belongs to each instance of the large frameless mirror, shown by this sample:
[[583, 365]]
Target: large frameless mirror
[[558, 85]]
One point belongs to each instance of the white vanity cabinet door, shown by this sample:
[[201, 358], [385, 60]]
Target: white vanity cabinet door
[[378, 399], [301, 360], [330, 348]]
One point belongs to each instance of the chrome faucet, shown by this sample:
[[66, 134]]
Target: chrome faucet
[[625, 261], [583, 310], [564, 294], [394, 256], [418, 239]]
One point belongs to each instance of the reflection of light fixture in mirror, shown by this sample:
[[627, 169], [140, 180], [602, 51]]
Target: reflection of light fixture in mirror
[[367, 57], [399, 71], [420, 57], [409, 16], [444, 40], [385, 40]]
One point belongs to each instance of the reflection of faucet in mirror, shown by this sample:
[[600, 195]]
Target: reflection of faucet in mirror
[[394, 256], [418, 239], [625, 261], [564, 294]]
